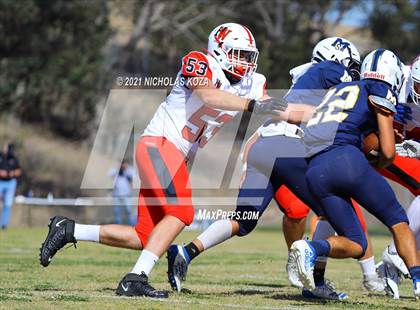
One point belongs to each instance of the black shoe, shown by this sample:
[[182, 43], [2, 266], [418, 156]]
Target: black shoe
[[137, 285], [61, 232]]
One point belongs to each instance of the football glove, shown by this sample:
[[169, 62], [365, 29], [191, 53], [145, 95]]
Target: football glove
[[267, 106], [408, 148]]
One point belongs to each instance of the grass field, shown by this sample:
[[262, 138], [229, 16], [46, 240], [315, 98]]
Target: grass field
[[244, 273]]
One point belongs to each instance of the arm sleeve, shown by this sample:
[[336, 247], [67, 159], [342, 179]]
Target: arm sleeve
[[196, 64]]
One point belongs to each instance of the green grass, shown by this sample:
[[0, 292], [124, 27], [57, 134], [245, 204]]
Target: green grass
[[244, 273]]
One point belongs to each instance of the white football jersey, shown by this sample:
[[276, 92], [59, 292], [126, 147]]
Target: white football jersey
[[183, 118]]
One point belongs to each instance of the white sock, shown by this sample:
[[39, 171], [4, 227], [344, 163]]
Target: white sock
[[322, 231], [216, 233], [368, 266], [145, 263], [86, 232]]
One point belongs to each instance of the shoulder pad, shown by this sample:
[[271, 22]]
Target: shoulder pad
[[196, 64], [384, 104]]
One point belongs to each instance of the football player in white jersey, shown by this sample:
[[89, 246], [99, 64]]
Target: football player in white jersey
[[406, 171], [211, 88]]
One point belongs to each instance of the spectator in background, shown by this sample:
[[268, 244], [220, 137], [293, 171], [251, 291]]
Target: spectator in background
[[122, 191], [9, 172]]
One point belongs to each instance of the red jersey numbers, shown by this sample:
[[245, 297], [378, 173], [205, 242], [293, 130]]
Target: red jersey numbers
[[195, 64], [197, 125]]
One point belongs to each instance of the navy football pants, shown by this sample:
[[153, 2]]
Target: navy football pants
[[343, 172]]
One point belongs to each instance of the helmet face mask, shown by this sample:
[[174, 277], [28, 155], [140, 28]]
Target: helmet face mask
[[243, 61], [353, 67], [233, 46]]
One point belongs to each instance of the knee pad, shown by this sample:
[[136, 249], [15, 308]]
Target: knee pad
[[246, 224]]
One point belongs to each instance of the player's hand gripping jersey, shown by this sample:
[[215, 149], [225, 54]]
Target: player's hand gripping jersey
[[334, 60], [183, 118], [310, 83]]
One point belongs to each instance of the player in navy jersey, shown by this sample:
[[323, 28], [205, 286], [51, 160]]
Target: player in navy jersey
[[338, 169], [310, 87]]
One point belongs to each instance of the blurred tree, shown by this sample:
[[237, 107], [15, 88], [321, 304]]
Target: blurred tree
[[51, 64], [163, 31], [286, 32], [396, 24]]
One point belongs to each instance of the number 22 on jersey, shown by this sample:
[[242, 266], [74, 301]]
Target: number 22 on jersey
[[334, 105]]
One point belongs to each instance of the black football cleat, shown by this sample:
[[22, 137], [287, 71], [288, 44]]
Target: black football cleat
[[137, 285], [61, 232]]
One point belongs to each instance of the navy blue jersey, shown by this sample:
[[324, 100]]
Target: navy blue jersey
[[311, 87], [344, 115]]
